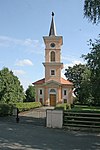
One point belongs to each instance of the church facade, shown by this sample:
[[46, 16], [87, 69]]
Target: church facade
[[53, 89]]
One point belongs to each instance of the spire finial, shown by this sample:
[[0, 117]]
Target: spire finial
[[52, 13], [52, 27]]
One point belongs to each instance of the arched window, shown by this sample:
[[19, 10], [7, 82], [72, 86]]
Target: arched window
[[52, 56], [53, 91]]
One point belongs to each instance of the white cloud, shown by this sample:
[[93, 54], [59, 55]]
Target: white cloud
[[29, 45], [18, 72], [73, 63], [62, 74], [25, 82], [24, 62], [9, 41], [68, 58], [30, 42]]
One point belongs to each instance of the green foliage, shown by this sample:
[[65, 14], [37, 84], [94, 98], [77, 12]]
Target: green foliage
[[86, 78], [30, 94], [63, 106], [27, 106], [85, 108], [92, 10], [74, 74], [80, 76], [93, 62], [85, 87], [11, 90], [6, 109]]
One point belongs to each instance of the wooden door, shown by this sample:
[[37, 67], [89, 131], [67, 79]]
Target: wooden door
[[52, 99]]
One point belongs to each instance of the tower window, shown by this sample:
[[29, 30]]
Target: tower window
[[65, 92], [40, 92], [52, 56], [52, 73]]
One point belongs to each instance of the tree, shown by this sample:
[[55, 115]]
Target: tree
[[92, 10], [79, 75], [11, 91], [93, 62], [30, 94], [85, 87]]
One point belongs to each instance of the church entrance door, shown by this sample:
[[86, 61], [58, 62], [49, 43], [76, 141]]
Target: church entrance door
[[52, 99]]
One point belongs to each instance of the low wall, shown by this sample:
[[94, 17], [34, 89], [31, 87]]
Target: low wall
[[54, 118]]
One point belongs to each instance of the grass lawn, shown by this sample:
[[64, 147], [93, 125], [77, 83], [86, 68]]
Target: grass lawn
[[78, 108], [85, 108]]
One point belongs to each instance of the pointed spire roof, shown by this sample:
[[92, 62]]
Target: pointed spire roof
[[52, 31]]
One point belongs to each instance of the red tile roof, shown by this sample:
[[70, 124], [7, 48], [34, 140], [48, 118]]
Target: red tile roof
[[63, 81], [41, 81]]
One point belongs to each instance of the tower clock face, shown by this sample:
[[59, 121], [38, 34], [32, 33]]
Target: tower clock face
[[52, 45]]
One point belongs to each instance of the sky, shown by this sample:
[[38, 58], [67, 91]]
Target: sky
[[23, 23]]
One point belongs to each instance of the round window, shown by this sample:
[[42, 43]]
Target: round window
[[52, 44]]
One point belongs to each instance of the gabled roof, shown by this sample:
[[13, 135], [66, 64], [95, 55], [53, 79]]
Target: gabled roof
[[41, 81], [52, 82], [63, 81]]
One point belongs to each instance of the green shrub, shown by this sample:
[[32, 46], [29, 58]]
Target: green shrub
[[27, 105], [6, 109], [63, 106]]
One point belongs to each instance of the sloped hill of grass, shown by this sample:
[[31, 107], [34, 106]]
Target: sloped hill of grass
[[85, 108]]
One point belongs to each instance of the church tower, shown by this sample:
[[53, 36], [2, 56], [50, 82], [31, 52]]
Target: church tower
[[53, 45], [53, 89]]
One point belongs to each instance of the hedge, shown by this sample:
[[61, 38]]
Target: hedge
[[63, 106], [27, 106], [6, 109]]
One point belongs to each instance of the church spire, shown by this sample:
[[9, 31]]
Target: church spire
[[52, 31]]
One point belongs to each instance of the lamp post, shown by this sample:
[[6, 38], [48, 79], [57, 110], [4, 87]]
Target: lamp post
[[17, 118]]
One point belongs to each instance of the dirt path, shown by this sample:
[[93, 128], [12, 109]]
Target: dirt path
[[36, 113], [36, 116]]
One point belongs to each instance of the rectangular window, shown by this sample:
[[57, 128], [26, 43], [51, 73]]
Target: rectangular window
[[40, 92], [52, 72], [65, 92]]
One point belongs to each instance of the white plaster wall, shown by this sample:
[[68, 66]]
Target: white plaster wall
[[54, 118]]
